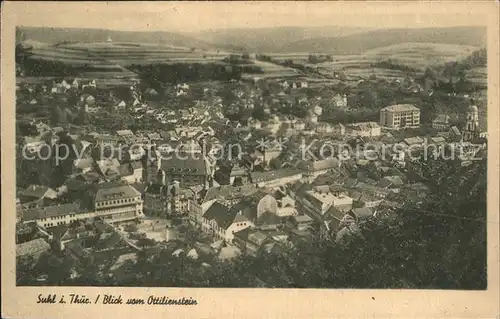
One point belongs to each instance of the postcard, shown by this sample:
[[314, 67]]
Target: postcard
[[250, 159]]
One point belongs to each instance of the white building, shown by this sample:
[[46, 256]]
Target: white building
[[51, 216], [364, 129], [119, 204]]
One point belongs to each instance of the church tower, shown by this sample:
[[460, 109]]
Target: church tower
[[472, 123]]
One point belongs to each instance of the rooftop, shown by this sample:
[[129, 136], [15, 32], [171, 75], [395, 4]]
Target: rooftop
[[190, 166], [363, 125], [400, 108], [222, 215], [118, 192], [273, 175], [229, 192], [32, 247], [50, 211]]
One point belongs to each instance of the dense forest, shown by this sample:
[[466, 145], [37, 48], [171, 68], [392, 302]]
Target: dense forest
[[439, 243]]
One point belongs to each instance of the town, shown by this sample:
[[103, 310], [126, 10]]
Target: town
[[210, 171]]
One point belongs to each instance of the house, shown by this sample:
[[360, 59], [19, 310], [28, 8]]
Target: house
[[332, 219], [183, 86], [87, 99], [264, 154], [392, 183], [286, 206], [179, 199], [83, 165], [302, 222], [400, 116], [365, 129], [120, 106], [32, 145], [275, 178], [75, 84], [324, 128], [55, 215], [155, 200], [108, 168], [137, 170], [254, 124], [126, 136], [314, 168], [151, 94], [188, 171], [116, 204], [413, 143], [228, 194], [221, 222], [367, 199], [361, 213], [340, 101], [273, 125], [250, 241], [321, 198], [338, 130], [441, 122], [107, 139], [35, 195]]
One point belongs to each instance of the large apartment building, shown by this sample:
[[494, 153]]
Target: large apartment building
[[400, 116], [118, 204]]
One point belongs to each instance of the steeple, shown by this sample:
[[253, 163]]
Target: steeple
[[471, 123]]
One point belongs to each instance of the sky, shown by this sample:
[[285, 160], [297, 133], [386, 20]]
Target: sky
[[197, 16]]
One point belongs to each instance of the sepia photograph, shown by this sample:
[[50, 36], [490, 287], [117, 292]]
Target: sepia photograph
[[197, 145]]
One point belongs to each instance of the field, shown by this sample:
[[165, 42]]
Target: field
[[272, 70], [421, 55], [415, 55], [478, 75], [110, 61]]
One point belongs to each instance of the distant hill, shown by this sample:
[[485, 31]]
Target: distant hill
[[360, 42], [270, 39], [58, 35]]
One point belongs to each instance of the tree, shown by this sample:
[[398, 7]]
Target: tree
[[275, 163], [429, 74], [58, 117]]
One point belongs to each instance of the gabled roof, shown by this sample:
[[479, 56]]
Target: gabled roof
[[454, 130], [190, 166], [84, 163], [362, 212], [321, 164], [248, 205], [229, 192], [39, 191], [258, 177], [442, 119], [221, 214], [117, 192], [333, 212], [32, 247], [268, 218], [400, 108], [51, 211], [301, 219], [413, 140]]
